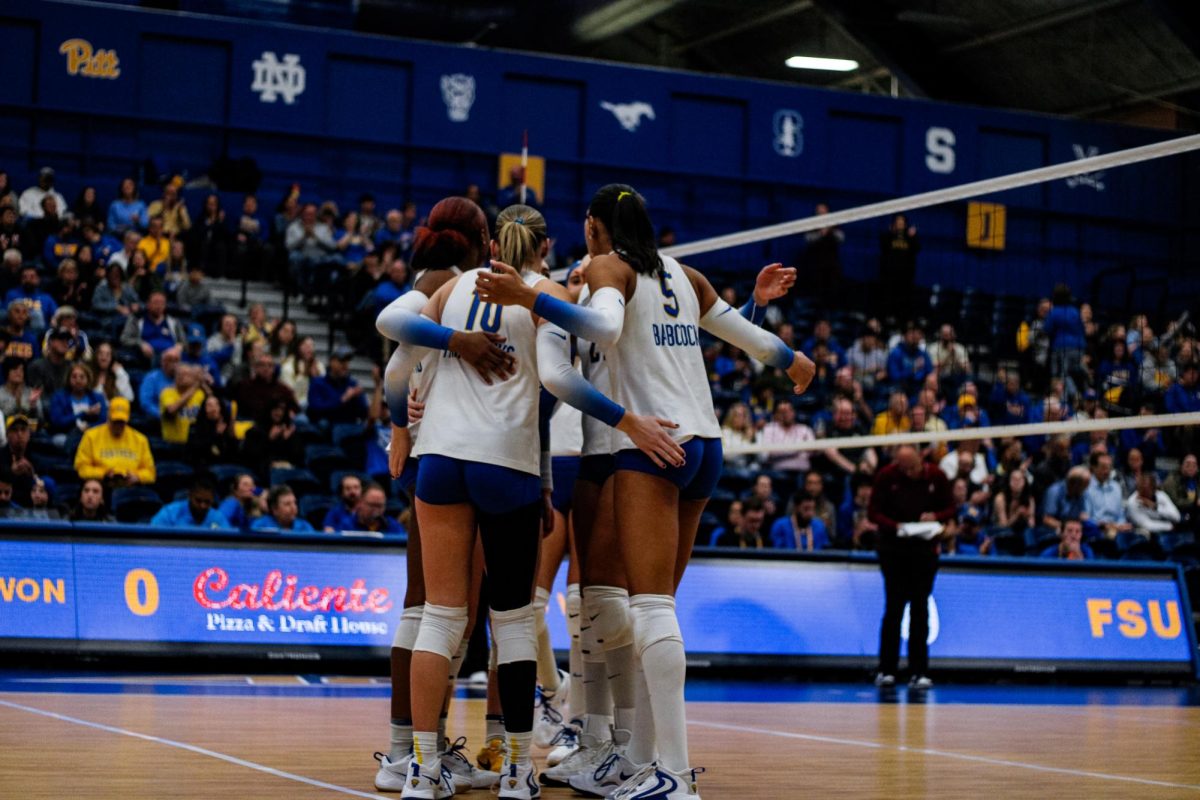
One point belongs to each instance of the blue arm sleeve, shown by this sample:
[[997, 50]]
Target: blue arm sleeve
[[562, 380], [753, 312], [546, 405], [600, 322], [402, 325]]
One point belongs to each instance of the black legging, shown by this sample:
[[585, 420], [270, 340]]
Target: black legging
[[510, 553], [909, 569]]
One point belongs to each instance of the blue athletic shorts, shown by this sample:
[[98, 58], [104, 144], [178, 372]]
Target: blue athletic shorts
[[566, 470], [597, 469], [443, 481], [696, 479], [408, 476]]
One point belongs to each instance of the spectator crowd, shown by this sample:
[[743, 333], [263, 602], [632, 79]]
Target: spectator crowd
[[127, 393]]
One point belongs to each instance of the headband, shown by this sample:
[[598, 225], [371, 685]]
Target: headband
[[623, 195]]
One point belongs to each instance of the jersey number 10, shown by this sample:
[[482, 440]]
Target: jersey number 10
[[489, 317]]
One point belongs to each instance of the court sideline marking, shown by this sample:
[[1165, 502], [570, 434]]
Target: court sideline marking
[[925, 751], [241, 762]]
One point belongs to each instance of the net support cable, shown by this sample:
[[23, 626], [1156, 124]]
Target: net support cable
[[1120, 158]]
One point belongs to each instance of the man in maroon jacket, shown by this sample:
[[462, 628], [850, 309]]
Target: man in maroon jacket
[[907, 490]]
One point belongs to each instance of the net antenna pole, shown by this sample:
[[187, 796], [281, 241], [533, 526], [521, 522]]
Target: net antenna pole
[[1120, 158], [524, 163]]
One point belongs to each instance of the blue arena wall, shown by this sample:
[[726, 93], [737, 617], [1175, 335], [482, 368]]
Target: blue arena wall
[[712, 155], [127, 591]]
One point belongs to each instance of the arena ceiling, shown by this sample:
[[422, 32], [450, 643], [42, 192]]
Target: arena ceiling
[[1132, 60]]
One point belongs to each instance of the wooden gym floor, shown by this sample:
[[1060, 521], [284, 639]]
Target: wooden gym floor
[[128, 738]]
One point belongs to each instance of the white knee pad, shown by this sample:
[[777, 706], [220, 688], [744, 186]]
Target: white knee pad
[[409, 627], [460, 655], [574, 609], [654, 620], [607, 608], [541, 600], [442, 629], [515, 634]]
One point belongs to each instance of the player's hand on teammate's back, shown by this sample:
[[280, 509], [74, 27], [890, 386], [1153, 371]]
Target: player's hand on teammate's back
[[651, 437], [773, 282], [416, 409], [482, 351], [398, 450], [505, 286], [801, 372]]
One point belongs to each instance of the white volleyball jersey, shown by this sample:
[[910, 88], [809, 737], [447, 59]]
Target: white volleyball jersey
[[425, 369], [658, 369], [469, 420], [597, 435]]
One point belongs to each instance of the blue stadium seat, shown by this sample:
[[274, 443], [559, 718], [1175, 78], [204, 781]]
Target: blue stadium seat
[[162, 450], [314, 507], [173, 476], [135, 504], [301, 481], [223, 475], [325, 459], [65, 494]]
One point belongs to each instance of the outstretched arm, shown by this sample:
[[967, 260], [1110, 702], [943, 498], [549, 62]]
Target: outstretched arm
[[719, 320], [774, 281]]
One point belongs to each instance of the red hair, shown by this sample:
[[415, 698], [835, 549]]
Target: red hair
[[451, 234]]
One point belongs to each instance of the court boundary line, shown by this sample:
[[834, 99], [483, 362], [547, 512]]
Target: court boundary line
[[240, 762], [926, 751]]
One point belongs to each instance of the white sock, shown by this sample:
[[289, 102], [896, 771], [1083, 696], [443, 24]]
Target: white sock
[[642, 746], [660, 645], [597, 702], [547, 667], [519, 745], [427, 748], [494, 727], [575, 700], [595, 730], [401, 740], [622, 677]]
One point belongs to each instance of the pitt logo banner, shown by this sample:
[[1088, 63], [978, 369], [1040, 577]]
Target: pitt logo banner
[[83, 60]]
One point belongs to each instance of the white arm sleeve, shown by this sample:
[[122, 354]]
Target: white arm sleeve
[[404, 359], [600, 321], [724, 322]]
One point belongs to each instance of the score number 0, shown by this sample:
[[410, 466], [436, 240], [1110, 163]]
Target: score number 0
[[141, 592]]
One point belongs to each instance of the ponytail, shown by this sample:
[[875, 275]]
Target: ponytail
[[520, 231], [453, 236], [623, 212]]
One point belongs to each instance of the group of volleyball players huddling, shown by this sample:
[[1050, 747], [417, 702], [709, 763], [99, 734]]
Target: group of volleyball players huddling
[[487, 347]]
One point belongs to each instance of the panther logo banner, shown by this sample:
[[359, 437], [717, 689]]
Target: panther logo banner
[[458, 92]]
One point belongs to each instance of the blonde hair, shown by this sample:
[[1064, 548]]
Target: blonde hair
[[520, 231]]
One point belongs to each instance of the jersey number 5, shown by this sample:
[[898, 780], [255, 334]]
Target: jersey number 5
[[672, 304], [489, 318]]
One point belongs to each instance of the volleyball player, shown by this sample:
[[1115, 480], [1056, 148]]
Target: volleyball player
[[616, 732], [553, 726], [451, 239], [479, 467], [644, 313]]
